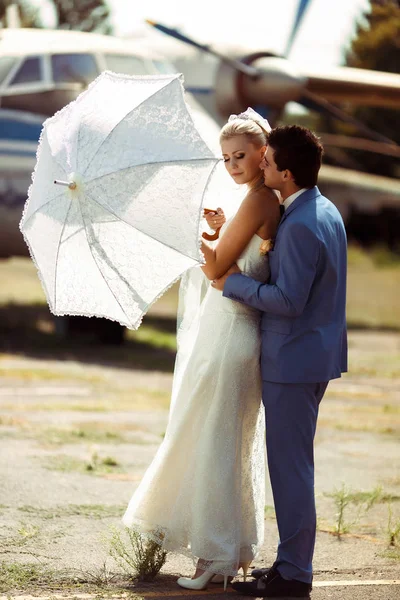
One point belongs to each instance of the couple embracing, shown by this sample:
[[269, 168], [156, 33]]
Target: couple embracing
[[267, 337]]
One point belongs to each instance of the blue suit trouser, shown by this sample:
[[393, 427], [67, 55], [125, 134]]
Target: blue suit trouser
[[291, 418]]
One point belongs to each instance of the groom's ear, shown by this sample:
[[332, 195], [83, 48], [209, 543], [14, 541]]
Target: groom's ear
[[288, 175]]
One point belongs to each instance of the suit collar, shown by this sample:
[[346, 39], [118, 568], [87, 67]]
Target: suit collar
[[304, 197], [290, 199]]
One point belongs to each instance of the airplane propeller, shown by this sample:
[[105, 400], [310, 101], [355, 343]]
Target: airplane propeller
[[265, 79], [301, 9]]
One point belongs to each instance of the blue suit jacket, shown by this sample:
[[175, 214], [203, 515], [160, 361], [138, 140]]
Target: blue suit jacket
[[303, 325]]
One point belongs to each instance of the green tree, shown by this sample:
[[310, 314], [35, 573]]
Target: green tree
[[376, 46], [28, 14], [83, 15]]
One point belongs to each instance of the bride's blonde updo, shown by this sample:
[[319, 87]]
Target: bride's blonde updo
[[250, 124], [249, 128]]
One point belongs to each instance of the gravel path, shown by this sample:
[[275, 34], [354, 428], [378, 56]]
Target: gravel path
[[60, 422]]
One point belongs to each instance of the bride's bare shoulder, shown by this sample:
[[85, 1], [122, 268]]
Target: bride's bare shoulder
[[263, 197]]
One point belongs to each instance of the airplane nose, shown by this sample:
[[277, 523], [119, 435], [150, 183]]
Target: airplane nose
[[278, 82]]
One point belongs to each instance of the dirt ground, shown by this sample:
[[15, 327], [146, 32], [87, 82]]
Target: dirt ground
[[76, 437]]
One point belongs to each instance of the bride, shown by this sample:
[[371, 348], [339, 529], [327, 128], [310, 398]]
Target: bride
[[203, 494]]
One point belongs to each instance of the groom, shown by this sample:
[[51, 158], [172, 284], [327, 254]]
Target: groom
[[304, 345]]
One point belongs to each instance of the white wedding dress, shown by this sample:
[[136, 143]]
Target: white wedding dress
[[203, 494]]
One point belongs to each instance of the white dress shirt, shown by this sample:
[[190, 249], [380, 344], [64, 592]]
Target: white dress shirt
[[286, 203]]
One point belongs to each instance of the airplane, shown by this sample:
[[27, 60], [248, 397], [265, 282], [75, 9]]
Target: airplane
[[40, 72], [369, 204], [233, 77]]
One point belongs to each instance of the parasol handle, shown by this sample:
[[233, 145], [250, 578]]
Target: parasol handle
[[70, 184], [208, 236]]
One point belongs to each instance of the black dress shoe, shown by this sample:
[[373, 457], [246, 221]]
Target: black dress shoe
[[257, 573], [274, 586]]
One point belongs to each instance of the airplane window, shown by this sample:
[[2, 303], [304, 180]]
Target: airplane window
[[29, 71], [74, 68], [123, 63], [164, 67], [6, 63]]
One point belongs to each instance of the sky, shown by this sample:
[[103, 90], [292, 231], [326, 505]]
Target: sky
[[325, 32]]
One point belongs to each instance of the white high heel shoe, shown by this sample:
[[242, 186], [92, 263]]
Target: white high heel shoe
[[244, 566], [201, 582]]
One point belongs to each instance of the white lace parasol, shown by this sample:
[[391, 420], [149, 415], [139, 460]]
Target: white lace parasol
[[113, 214]]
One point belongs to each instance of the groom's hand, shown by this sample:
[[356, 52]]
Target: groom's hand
[[218, 284]]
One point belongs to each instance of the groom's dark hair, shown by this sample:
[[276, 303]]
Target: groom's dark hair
[[299, 150]]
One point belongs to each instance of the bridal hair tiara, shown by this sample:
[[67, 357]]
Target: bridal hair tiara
[[252, 115]]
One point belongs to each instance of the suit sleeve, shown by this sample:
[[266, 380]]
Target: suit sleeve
[[299, 255]]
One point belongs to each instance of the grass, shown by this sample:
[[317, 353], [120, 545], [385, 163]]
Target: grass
[[20, 576], [96, 432], [137, 555], [99, 432], [378, 255], [368, 414], [28, 531], [269, 511], [37, 579], [344, 498], [94, 465], [394, 481], [354, 393], [373, 364], [122, 401], [375, 496], [33, 579], [21, 537], [100, 576], [42, 374], [152, 336], [57, 436], [26, 329], [392, 554], [392, 536], [374, 410], [393, 529], [26, 326], [365, 428], [373, 287], [373, 284], [9, 421], [91, 511], [19, 335]]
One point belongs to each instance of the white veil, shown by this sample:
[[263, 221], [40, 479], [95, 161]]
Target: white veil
[[221, 192], [224, 193]]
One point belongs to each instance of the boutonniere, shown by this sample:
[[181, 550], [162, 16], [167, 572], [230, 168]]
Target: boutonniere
[[266, 246]]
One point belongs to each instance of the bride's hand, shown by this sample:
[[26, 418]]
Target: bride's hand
[[216, 219], [219, 284]]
